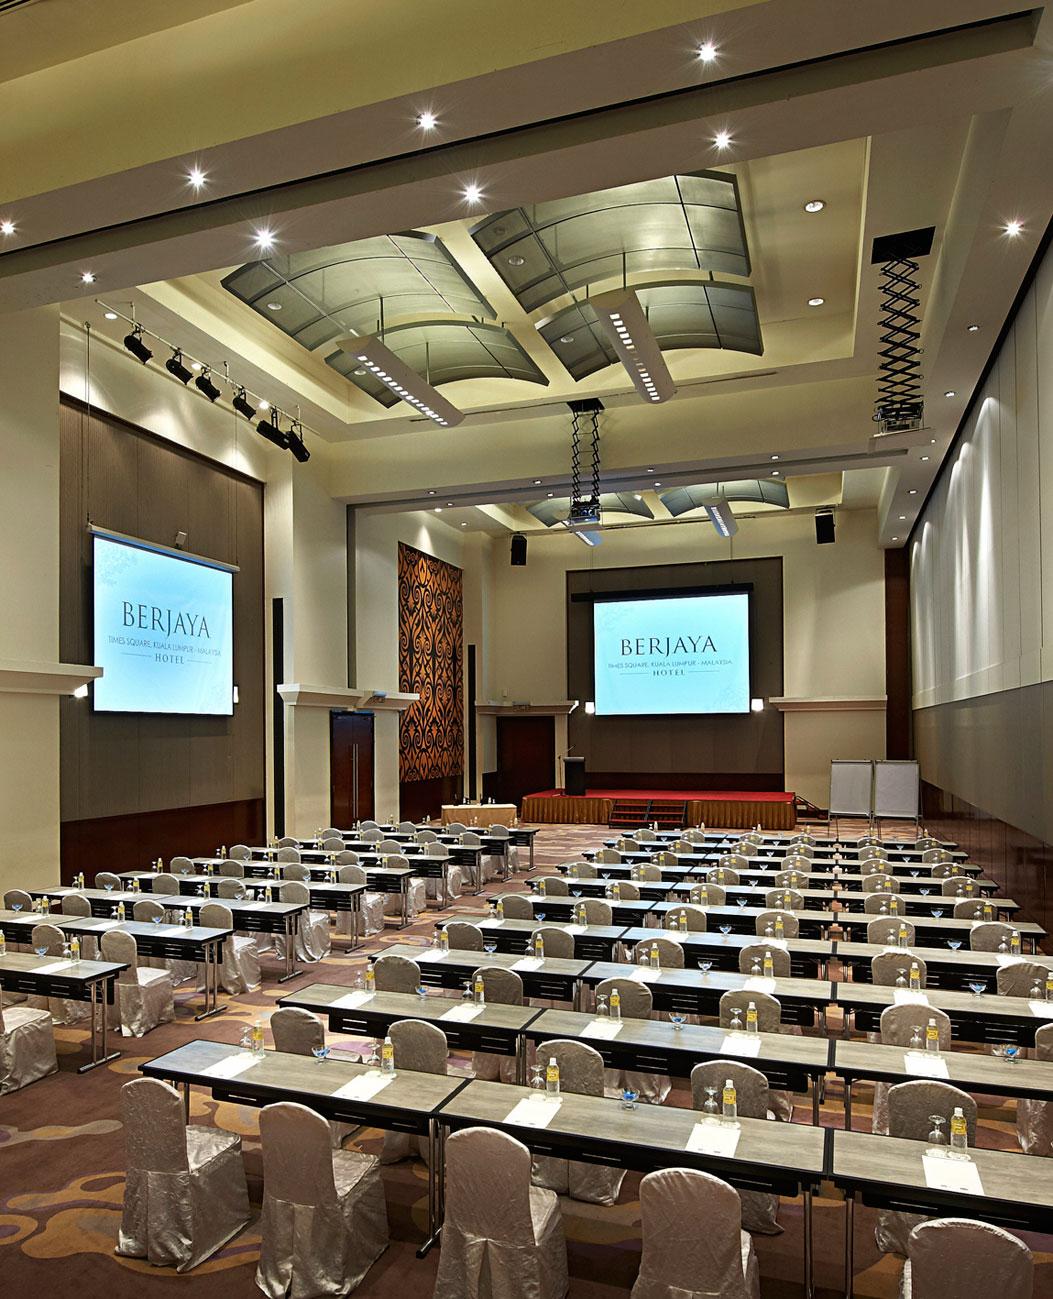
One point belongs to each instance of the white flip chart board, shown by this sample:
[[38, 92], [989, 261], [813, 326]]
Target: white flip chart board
[[851, 785], [896, 789]]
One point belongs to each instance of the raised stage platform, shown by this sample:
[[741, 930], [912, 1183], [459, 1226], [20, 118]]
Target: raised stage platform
[[715, 807]]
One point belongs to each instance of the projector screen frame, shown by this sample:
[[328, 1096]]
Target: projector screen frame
[[170, 552], [670, 593]]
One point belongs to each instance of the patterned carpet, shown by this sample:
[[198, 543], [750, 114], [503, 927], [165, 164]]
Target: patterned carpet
[[62, 1155]]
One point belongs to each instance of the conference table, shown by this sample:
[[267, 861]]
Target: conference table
[[380, 878], [55, 976], [808, 956], [591, 942], [945, 967], [752, 863], [561, 907], [817, 899], [987, 1018], [546, 977], [479, 814]]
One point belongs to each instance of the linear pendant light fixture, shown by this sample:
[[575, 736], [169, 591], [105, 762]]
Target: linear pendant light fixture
[[403, 381], [722, 519], [623, 320]]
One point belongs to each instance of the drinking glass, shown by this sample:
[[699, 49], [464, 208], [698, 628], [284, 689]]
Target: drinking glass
[[629, 1098], [937, 1139], [16, 906], [108, 888], [736, 1020], [157, 919], [740, 903], [954, 943], [915, 874], [41, 951], [422, 991], [901, 978], [710, 1109], [489, 948], [924, 892], [575, 893], [916, 1043], [725, 929], [977, 987], [705, 967], [601, 1004], [676, 1018], [536, 1079], [246, 1038], [1008, 1052], [755, 969], [372, 1059], [539, 915], [937, 912], [320, 1053]]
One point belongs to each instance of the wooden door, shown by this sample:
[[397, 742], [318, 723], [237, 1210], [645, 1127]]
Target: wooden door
[[351, 767], [525, 756]]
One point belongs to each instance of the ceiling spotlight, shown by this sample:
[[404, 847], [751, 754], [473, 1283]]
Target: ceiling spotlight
[[7, 227], [110, 315], [816, 302], [925, 458], [971, 329], [87, 277], [296, 444], [567, 338], [264, 239], [912, 492], [134, 343], [622, 318], [722, 519], [775, 473], [902, 518], [242, 404], [722, 139], [537, 482], [516, 260], [196, 177], [196, 366], [775, 457], [895, 538], [438, 509], [814, 205], [431, 491], [265, 405], [427, 121], [950, 393], [1014, 228], [392, 371], [472, 193], [274, 306], [204, 384], [174, 365], [268, 428], [707, 52]]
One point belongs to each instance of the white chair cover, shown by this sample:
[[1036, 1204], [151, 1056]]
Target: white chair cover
[[874, 903], [885, 968], [63, 1010], [556, 942], [988, 936], [1017, 980], [885, 930], [502, 1237], [396, 974], [27, 1046], [324, 1219], [517, 907], [1034, 1119], [312, 941], [754, 954], [693, 1243], [240, 968], [287, 853], [694, 916], [464, 936], [240, 852], [957, 1258], [581, 1074], [637, 1003], [416, 895], [370, 918], [144, 995], [897, 1026], [185, 1193], [791, 926], [76, 904], [297, 1032], [421, 1048], [503, 988]]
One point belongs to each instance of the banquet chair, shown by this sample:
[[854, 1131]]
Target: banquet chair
[[733, 861], [482, 870], [874, 902], [502, 1238], [937, 856], [165, 884], [910, 1109], [501, 988], [769, 1009], [751, 960], [287, 841], [373, 834], [421, 1048], [581, 870], [790, 879], [370, 917], [972, 909], [760, 1209], [554, 886], [958, 886], [722, 875], [696, 835], [557, 942], [455, 827], [644, 833], [896, 1028], [464, 936], [637, 1003], [239, 969], [628, 891], [295, 870], [517, 906], [426, 836], [648, 872], [63, 1010], [958, 1258], [297, 1032], [665, 858], [608, 856], [76, 904], [416, 893], [885, 930], [27, 1046], [324, 1220], [233, 868], [510, 864], [711, 895], [683, 845], [784, 899], [287, 854], [925, 842], [878, 882], [231, 888], [597, 911], [791, 926], [146, 911], [345, 858], [942, 870], [185, 1195], [333, 843], [388, 846], [670, 953], [369, 825], [150, 911], [107, 879], [1021, 979], [396, 974], [873, 866], [798, 861], [988, 936], [886, 967], [180, 866], [692, 917], [144, 996], [580, 1074], [18, 900], [311, 940], [240, 852], [876, 850], [626, 843], [405, 827], [1034, 1118]]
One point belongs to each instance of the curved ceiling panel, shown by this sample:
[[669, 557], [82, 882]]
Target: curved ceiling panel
[[682, 500], [679, 223], [681, 313], [555, 511], [317, 296], [443, 351]]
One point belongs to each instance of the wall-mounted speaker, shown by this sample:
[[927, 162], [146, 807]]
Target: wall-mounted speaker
[[518, 550], [824, 528]]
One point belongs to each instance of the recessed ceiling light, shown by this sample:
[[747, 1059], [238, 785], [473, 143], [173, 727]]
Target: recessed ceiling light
[[426, 121], [816, 302], [274, 306], [264, 239], [815, 205], [431, 491], [7, 227], [706, 52], [1014, 228], [516, 260], [650, 471], [895, 538], [913, 492], [925, 457], [950, 393], [438, 509], [722, 139], [775, 457], [566, 338], [196, 177], [464, 525], [902, 518], [472, 193], [775, 473], [110, 315], [450, 504], [537, 482], [86, 277], [972, 328], [658, 484]]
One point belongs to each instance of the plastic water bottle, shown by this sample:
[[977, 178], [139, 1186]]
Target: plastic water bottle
[[903, 936], [74, 948], [387, 1056], [444, 941], [730, 1102], [1014, 942], [616, 1004], [268, 894], [188, 918], [539, 946], [655, 958], [1049, 986], [206, 889], [371, 977], [541, 886], [751, 1018], [959, 1135], [3, 945], [915, 979], [780, 927], [45, 905], [552, 1077], [500, 908], [120, 911], [682, 922], [932, 1037], [769, 967], [479, 990], [583, 915], [257, 1037], [616, 891]]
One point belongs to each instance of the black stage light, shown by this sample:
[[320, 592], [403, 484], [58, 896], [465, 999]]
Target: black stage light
[[270, 430], [204, 384], [174, 365], [294, 439], [518, 550], [243, 406], [134, 343]]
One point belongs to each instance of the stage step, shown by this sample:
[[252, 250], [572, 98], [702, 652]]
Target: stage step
[[631, 813]]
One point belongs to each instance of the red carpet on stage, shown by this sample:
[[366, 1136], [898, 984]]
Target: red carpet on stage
[[724, 808]]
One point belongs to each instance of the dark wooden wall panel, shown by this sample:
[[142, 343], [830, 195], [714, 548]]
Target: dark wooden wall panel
[[897, 654], [118, 769]]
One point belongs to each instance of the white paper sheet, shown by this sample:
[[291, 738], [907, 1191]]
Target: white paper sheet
[[231, 1065], [53, 967], [432, 954], [575, 929], [365, 1086], [463, 1014], [740, 1044], [714, 1139], [1004, 960], [925, 1064], [115, 924], [534, 1112], [1041, 1009], [528, 963], [775, 942], [644, 974], [759, 985], [960, 1175], [603, 1028], [495, 922], [352, 999], [905, 997]]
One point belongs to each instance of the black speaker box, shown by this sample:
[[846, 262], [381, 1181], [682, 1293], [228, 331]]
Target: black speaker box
[[518, 550], [824, 529]]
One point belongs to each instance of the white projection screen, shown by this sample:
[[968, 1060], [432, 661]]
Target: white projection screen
[[684, 654], [163, 630]]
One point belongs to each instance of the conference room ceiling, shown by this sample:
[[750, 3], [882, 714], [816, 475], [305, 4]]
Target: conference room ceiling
[[904, 133]]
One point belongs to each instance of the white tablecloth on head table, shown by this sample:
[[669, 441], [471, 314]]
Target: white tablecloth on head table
[[479, 814]]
